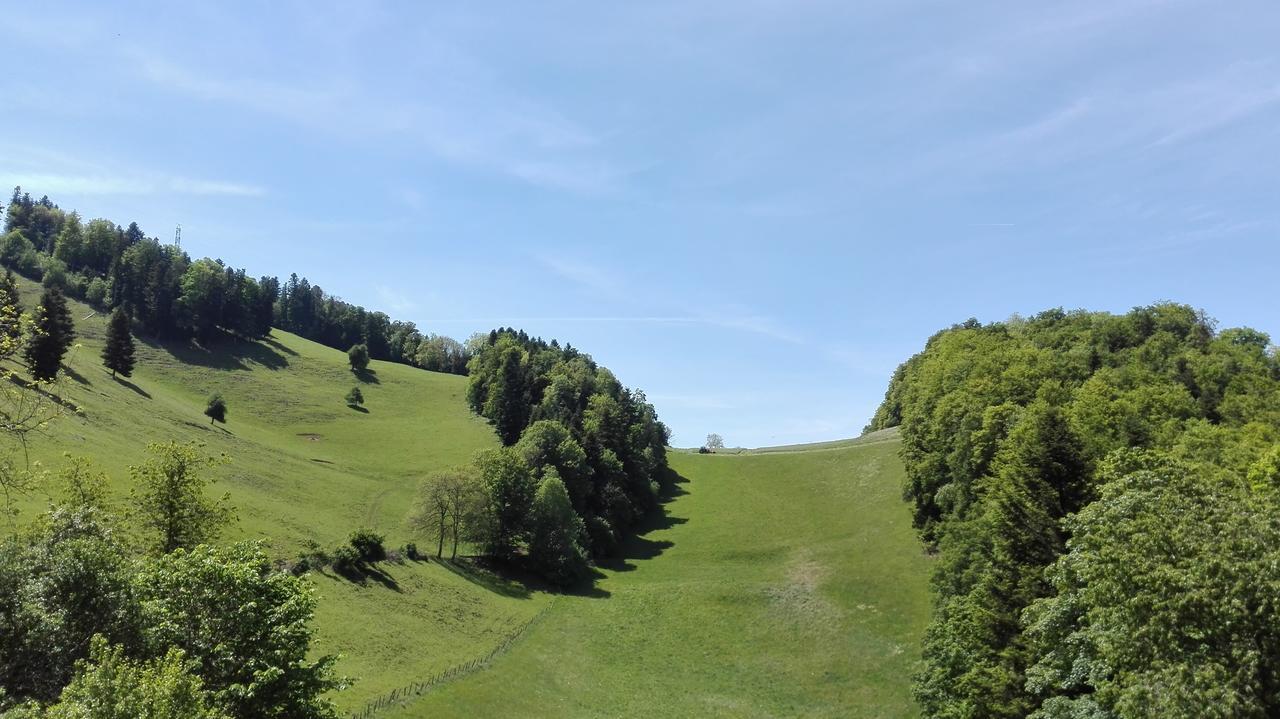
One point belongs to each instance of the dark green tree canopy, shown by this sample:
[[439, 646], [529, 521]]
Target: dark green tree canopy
[[216, 409], [54, 331], [118, 353]]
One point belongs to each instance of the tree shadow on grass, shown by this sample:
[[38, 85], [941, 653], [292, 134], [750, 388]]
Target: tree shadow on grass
[[122, 381], [364, 572], [79, 378], [498, 577], [366, 375], [358, 408], [226, 352], [277, 346]]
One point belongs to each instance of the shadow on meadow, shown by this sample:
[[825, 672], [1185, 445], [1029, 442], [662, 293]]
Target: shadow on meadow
[[122, 381], [225, 352]]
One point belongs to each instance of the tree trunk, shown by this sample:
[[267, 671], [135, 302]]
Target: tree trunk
[[440, 548]]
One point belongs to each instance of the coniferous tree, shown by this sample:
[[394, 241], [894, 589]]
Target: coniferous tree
[[10, 314], [118, 353], [54, 332]]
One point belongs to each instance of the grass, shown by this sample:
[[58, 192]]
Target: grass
[[304, 466], [776, 584], [779, 582]]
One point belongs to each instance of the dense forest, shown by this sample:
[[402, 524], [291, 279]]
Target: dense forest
[[1103, 495], [569, 428], [170, 295]]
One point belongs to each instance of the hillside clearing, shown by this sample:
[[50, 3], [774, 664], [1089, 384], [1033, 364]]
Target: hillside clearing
[[786, 584]]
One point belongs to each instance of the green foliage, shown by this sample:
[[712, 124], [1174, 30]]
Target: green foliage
[[358, 357], [216, 408], [169, 497], [1165, 603], [202, 298], [52, 335], [345, 558], [118, 352], [110, 686], [10, 315], [244, 626], [556, 533], [561, 411], [65, 583], [355, 397], [548, 445], [368, 545], [509, 491], [1003, 427]]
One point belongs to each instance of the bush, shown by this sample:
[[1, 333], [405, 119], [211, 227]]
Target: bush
[[345, 558], [411, 551], [96, 293], [368, 545], [703, 450]]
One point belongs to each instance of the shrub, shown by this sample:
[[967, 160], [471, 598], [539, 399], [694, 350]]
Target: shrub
[[96, 292], [345, 558], [368, 545], [411, 551]]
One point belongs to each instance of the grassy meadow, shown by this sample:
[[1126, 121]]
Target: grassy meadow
[[303, 466], [779, 582], [776, 584]]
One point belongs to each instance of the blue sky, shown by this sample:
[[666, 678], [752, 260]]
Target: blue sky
[[752, 210]]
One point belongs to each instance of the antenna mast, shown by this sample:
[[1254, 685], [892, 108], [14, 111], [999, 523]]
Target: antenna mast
[[177, 237]]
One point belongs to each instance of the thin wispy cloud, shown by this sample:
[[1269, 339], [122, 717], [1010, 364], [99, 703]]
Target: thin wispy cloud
[[476, 123], [63, 184]]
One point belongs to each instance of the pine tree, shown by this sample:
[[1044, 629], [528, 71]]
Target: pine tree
[[54, 332], [118, 353]]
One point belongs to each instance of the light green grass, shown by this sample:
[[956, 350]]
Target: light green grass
[[778, 585], [304, 466], [783, 582]]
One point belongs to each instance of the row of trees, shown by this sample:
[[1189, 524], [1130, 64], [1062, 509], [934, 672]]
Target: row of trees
[[170, 295], [583, 459], [1103, 493]]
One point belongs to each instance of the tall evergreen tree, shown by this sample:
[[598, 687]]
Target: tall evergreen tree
[[117, 355], [54, 332], [10, 315]]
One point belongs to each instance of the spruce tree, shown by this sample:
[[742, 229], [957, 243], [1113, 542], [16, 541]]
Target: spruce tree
[[10, 315], [54, 332], [117, 355]]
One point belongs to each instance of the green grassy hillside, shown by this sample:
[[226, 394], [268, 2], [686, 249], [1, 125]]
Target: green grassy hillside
[[777, 584], [783, 581], [304, 466]]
